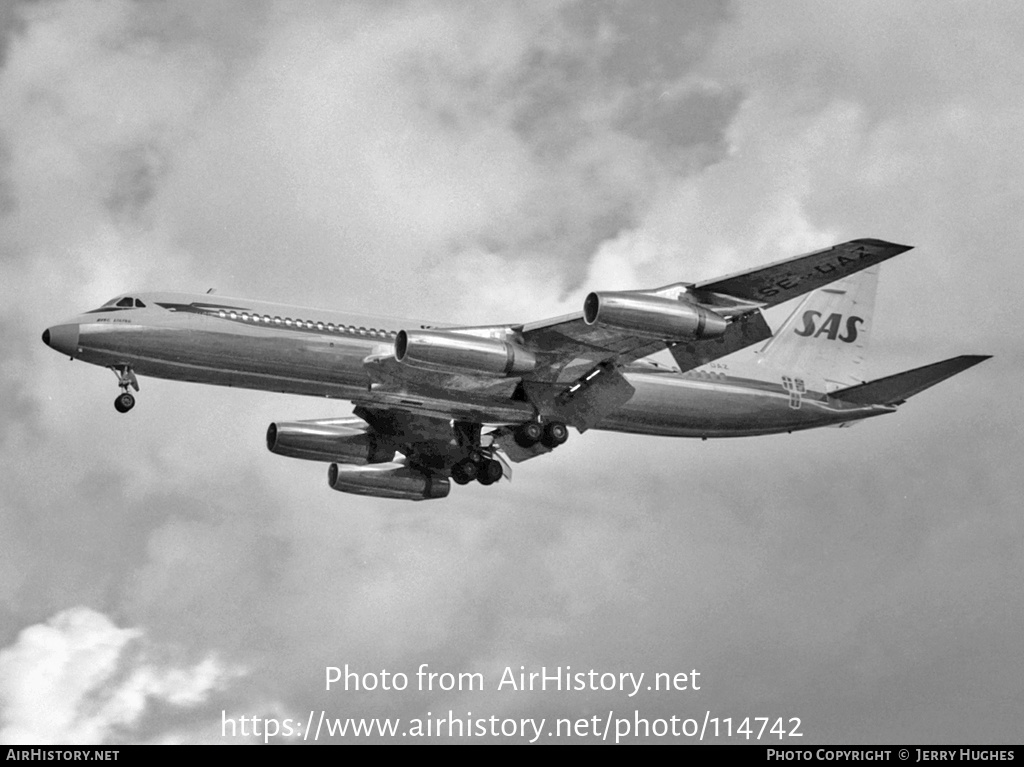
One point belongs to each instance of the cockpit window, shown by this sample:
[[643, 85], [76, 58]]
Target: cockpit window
[[124, 302]]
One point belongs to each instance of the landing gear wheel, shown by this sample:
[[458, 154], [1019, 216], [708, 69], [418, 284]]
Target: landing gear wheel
[[490, 472], [529, 434], [555, 434], [465, 472], [125, 378]]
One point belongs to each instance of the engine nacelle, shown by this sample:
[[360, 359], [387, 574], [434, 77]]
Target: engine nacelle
[[388, 480], [458, 352], [344, 441], [652, 316]]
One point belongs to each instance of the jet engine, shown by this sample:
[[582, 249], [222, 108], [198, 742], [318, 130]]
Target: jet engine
[[343, 440], [387, 480], [652, 316], [458, 352]]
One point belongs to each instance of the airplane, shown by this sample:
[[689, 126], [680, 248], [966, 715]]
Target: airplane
[[436, 404]]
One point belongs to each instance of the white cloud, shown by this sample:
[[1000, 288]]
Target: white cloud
[[80, 679]]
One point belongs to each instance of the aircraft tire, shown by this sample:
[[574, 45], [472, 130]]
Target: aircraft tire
[[529, 434], [555, 434], [124, 402], [490, 472], [465, 472]]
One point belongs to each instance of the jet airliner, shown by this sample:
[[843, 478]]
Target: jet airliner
[[436, 404]]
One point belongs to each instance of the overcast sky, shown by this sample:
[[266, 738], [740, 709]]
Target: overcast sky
[[486, 163]]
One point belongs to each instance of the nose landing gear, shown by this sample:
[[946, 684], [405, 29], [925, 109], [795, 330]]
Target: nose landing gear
[[125, 378]]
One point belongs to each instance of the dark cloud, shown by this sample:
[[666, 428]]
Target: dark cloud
[[643, 44], [135, 178], [11, 24]]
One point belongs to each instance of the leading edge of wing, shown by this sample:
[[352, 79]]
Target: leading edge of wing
[[783, 280]]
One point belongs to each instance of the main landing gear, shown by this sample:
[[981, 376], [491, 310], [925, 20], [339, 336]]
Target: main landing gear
[[551, 434], [479, 461], [482, 468], [125, 378]]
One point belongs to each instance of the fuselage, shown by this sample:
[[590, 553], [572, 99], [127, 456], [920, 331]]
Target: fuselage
[[274, 347]]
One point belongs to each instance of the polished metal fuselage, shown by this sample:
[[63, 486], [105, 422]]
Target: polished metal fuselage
[[273, 347]]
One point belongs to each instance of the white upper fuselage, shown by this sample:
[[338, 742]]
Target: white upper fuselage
[[274, 347]]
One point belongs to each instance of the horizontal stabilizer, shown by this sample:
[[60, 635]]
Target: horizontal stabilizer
[[895, 389]]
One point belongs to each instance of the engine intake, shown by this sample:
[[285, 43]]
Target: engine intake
[[388, 480], [458, 352], [652, 316], [344, 441]]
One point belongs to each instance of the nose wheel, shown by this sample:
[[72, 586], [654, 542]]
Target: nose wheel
[[125, 378]]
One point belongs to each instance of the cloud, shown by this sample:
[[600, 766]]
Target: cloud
[[493, 163], [80, 679], [223, 145]]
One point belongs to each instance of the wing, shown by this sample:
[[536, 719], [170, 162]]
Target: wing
[[583, 355], [571, 368], [779, 282], [736, 297]]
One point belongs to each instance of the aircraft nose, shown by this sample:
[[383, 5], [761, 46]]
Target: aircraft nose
[[62, 338]]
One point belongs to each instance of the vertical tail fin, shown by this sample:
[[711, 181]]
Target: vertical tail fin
[[825, 339]]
